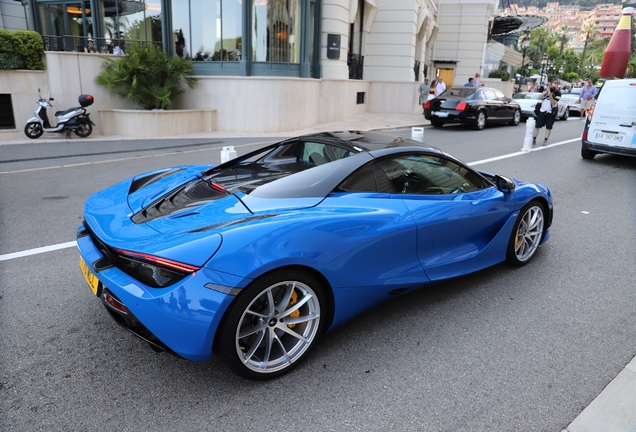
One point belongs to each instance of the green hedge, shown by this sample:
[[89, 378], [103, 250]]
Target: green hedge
[[504, 75], [21, 49]]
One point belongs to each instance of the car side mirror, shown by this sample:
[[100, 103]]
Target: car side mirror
[[504, 184]]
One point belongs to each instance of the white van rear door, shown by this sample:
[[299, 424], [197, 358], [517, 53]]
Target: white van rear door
[[614, 119]]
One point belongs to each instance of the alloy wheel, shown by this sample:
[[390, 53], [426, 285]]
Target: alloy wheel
[[529, 232], [277, 327]]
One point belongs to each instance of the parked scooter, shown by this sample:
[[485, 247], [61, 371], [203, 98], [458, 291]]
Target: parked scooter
[[75, 120]]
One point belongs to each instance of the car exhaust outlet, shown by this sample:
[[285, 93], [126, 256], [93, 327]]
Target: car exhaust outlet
[[115, 304]]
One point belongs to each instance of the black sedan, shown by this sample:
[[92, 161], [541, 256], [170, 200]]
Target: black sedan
[[474, 106]]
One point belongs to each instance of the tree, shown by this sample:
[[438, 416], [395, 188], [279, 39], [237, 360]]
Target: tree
[[590, 32], [147, 76], [564, 37]]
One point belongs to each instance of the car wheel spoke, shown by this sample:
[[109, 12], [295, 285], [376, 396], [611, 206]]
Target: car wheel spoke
[[299, 320], [246, 357], [283, 327], [295, 306], [252, 330]]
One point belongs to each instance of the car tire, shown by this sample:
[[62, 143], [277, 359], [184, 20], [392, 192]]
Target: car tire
[[566, 114], [516, 118], [480, 122], [260, 341], [587, 154], [85, 130], [33, 130], [437, 123], [526, 234]]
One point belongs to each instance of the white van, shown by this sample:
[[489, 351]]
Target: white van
[[611, 123]]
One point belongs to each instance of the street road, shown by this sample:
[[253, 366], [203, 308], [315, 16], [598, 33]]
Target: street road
[[523, 349]]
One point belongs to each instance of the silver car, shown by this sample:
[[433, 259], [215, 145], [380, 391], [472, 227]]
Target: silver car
[[573, 101], [527, 101]]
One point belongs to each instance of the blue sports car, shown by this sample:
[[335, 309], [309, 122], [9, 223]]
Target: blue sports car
[[257, 257]]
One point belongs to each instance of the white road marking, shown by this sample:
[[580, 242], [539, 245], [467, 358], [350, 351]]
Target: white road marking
[[73, 243], [126, 159], [537, 147], [37, 251]]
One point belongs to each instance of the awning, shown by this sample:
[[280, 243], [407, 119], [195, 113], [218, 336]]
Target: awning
[[503, 25], [370, 11], [512, 57], [497, 52]]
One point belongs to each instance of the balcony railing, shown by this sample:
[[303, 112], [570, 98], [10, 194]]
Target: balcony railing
[[92, 44], [356, 65], [416, 69]]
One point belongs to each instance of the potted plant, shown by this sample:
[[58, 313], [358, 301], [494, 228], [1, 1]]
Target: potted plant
[[147, 76]]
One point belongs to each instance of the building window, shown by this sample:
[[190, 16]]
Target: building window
[[131, 21], [276, 31], [69, 25], [7, 120], [207, 30]]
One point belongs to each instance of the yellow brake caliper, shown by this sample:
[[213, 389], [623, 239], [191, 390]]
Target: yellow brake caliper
[[296, 313]]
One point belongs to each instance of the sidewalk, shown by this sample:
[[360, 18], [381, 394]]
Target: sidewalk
[[366, 121], [614, 410]]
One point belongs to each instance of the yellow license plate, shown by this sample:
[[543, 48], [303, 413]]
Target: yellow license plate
[[91, 279]]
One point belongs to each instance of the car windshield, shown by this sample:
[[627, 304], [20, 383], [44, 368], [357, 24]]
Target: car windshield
[[462, 92], [618, 101], [526, 96]]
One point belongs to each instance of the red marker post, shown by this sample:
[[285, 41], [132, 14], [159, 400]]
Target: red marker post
[[617, 53]]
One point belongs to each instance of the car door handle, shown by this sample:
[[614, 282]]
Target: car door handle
[[628, 124]]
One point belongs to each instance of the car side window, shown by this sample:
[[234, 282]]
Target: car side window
[[429, 175], [499, 95], [319, 153], [369, 178], [489, 95]]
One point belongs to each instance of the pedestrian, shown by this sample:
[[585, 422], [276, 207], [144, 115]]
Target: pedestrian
[[423, 89], [90, 48], [587, 97], [476, 81], [533, 87], [547, 112], [470, 83], [117, 49], [440, 87]]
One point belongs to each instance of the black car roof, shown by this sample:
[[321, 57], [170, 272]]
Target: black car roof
[[320, 181], [365, 140]]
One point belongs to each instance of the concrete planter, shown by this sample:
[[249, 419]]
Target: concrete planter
[[150, 124]]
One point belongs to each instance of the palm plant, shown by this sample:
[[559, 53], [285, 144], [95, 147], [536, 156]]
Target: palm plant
[[564, 37], [590, 32], [147, 76]]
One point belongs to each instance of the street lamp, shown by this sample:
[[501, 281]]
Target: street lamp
[[544, 64], [525, 43]]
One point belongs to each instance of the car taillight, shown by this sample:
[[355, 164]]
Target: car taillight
[[461, 106], [584, 135], [589, 113], [151, 270], [427, 104]]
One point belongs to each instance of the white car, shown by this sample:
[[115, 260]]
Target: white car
[[527, 101], [572, 100], [611, 123]]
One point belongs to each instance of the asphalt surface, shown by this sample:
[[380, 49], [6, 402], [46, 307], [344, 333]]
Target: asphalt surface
[[503, 349]]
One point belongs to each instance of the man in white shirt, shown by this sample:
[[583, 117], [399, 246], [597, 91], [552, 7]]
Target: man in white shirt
[[476, 81], [440, 87]]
